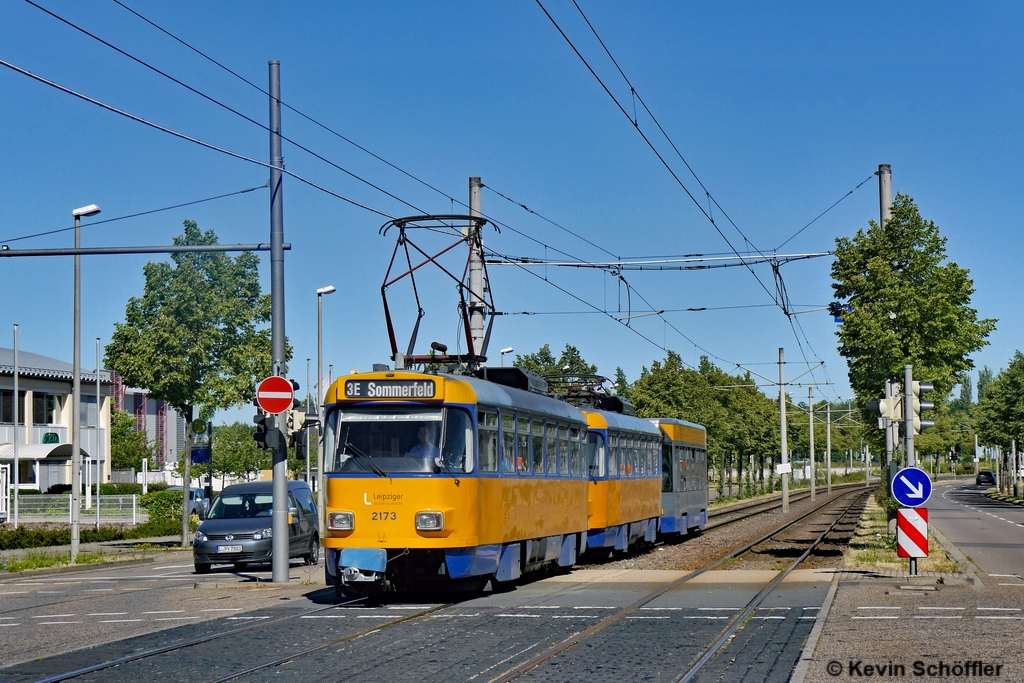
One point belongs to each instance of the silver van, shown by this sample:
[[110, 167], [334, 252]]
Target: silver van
[[237, 529]]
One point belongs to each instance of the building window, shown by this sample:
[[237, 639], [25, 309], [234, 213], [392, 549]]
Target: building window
[[89, 414], [7, 406], [44, 408]]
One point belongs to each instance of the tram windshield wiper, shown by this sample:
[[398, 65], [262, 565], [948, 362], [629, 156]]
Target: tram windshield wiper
[[369, 461]]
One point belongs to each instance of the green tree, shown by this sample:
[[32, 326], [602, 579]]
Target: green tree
[[128, 448], [235, 453], [1000, 417], [192, 338], [910, 305], [543, 362], [984, 380]]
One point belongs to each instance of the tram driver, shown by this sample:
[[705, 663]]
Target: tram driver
[[426, 445]]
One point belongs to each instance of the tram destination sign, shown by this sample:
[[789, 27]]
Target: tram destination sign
[[393, 388]]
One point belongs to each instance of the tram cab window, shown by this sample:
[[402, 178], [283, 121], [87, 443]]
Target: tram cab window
[[595, 455], [508, 443], [487, 427], [537, 436], [399, 439], [457, 450], [666, 468], [523, 445], [563, 449]]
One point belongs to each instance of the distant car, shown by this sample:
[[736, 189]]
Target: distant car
[[238, 528], [198, 503], [985, 477]]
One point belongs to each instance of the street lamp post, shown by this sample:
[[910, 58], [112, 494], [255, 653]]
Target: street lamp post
[[321, 496], [503, 352], [76, 384]]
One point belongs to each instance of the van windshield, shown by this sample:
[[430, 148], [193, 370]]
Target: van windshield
[[402, 439], [241, 506]]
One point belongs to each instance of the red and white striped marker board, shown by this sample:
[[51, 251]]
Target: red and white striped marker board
[[912, 532]]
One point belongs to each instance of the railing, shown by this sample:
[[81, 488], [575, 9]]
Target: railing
[[116, 508]]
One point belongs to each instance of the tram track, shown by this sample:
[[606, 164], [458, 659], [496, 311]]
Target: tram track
[[430, 611]]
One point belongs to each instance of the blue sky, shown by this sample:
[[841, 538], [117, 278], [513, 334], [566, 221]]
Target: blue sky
[[780, 111]]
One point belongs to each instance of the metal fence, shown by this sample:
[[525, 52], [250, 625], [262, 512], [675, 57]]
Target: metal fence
[[116, 508]]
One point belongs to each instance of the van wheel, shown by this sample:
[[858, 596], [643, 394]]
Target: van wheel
[[240, 566], [314, 551], [202, 568]]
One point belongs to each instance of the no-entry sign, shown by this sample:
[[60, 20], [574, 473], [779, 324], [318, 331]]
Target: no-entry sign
[[912, 532], [275, 395]]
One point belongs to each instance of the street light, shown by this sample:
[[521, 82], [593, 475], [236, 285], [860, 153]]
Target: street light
[[76, 384], [503, 352], [321, 497]]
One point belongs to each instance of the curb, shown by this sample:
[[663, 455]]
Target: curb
[[807, 655], [74, 569]]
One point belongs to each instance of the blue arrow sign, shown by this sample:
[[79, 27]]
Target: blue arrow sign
[[911, 487]]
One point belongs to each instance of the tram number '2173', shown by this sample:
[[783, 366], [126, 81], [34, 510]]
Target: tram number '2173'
[[383, 516]]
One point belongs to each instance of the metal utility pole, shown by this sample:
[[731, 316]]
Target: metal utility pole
[[887, 423], [17, 461], [279, 559], [977, 455], [828, 448], [307, 412], [477, 309], [99, 451], [908, 414], [782, 432], [884, 193], [810, 422]]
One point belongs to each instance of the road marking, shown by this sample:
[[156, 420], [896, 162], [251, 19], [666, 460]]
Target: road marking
[[48, 592], [574, 616], [593, 607], [701, 616], [175, 618], [941, 608], [521, 616], [423, 608], [882, 617], [222, 609], [937, 616], [118, 621], [768, 617], [664, 609], [13, 592], [10, 624], [1011, 584], [807, 617], [50, 616], [998, 609], [633, 617], [54, 623], [1005, 576], [449, 616], [96, 590], [539, 607], [388, 616], [166, 611], [322, 616], [245, 618], [718, 609], [997, 617], [874, 607], [106, 614]]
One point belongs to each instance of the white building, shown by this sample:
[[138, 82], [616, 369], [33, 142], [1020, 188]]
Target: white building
[[44, 416]]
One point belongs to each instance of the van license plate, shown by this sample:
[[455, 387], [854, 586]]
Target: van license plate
[[229, 549]]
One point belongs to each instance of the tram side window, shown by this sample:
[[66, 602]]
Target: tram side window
[[652, 457], [595, 455], [563, 449], [538, 446], [523, 442], [666, 468], [508, 443], [574, 446], [552, 441], [487, 427], [613, 454]]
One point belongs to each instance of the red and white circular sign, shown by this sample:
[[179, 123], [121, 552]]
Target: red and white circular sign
[[275, 395]]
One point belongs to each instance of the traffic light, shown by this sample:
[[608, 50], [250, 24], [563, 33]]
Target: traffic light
[[891, 408], [296, 425], [261, 430], [918, 388]]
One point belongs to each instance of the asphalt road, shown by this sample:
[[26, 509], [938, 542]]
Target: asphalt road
[[989, 532]]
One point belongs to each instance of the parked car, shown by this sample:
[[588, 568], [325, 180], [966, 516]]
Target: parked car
[[198, 505], [985, 477], [238, 528]]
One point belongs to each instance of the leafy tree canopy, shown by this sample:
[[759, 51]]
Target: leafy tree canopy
[[909, 304], [235, 452], [543, 362], [128, 448], [1000, 417]]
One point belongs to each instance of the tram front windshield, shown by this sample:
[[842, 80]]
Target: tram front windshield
[[402, 440]]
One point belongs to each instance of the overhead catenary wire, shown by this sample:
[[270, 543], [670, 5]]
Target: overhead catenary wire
[[136, 215], [188, 138], [224, 106], [834, 205]]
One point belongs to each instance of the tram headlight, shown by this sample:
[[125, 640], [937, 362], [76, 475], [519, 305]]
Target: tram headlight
[[341, 521], [429, 521]]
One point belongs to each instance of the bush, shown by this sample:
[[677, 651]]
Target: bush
[[59, 488], [163, 505], [119, 489], [157, 486], [29, 492], [24, 537]]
